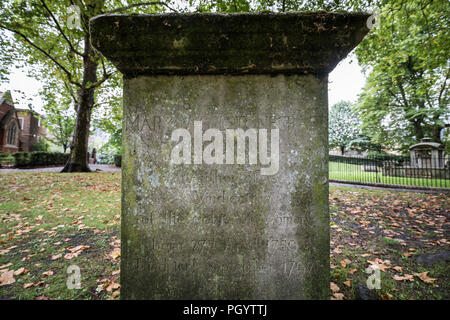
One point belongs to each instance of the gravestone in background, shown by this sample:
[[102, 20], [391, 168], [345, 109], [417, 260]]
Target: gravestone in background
[[218, 227]]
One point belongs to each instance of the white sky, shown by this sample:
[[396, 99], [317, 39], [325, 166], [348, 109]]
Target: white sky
[[345, 83]]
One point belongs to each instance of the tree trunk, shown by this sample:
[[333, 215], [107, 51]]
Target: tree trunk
[[418, 130], [342, 149], [437, 133], [79, 147]]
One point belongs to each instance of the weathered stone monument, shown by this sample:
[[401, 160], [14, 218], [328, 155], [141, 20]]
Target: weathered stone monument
[[225, 149]]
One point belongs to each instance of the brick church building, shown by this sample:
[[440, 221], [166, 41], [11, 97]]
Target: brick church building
[[20, 129]]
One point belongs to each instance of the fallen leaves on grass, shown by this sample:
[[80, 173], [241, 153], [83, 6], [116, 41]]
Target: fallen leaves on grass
[[387, 230]]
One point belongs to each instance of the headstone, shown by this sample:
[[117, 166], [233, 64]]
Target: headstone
[[225, 151], [429, 259]]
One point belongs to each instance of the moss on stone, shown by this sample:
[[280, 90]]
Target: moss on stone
[[227, 43]]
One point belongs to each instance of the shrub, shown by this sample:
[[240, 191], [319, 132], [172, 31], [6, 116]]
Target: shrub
[[374, 160], [6, 159], [39, 158], [21, 159], [41, 145], [118, 160]]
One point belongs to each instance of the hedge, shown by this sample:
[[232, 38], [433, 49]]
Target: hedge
[[39, 158], [118, 160], [6, 159], [374, 160]]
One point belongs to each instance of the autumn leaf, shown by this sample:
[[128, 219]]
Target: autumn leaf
[[112, 286], [405, 277], [7, 278], [406, 254], [78, 248], [115, 253], [56, 256], [20, 271], [47, 273], [5, 266], [423, 276], [337, 250], [334, 287], [5, 251], [387, 296], [338, 296], [71, 255], [28, 285], [345, 262]]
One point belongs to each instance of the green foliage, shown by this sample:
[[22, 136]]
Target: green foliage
[[6, 159], [106, 154], [277, 5], [21, 159], [406, 94], [54, 43], [60, 118], [45, 36], [344, 129], [41, 145]]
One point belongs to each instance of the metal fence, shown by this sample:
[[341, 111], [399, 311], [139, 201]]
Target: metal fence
[[425, 172]]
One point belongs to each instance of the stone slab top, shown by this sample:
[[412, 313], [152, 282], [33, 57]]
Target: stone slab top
[[240, 43]]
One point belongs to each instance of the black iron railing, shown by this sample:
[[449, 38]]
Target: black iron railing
[[391, 170]]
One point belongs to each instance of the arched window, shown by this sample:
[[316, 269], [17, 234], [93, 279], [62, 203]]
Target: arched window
[[11, 136]]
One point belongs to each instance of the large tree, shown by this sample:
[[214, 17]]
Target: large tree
[[344, 129], [407, 60], [53, 37]]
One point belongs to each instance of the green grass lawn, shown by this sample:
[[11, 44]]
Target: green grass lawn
[[46, 216], [353, 172], [51, 221]]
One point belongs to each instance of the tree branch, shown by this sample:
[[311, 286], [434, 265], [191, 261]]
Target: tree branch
[[60, 29], [99, 83], [69, 75], [75, 100]]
